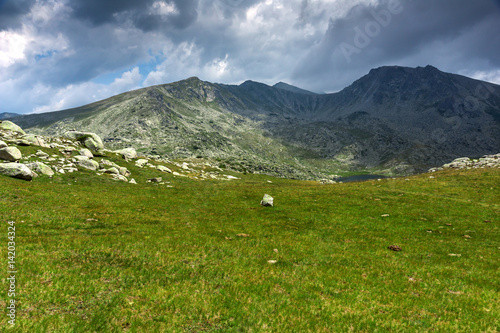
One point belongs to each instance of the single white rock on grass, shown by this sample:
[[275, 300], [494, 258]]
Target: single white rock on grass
[[267, 201]]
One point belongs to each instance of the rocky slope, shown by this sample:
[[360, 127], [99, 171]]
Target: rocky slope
[[76, 151], [395, 120]]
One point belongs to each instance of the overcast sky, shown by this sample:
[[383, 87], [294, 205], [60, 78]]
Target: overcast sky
[[57, 54]]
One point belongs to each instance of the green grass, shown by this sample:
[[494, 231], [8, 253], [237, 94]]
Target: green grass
[[95, 255]]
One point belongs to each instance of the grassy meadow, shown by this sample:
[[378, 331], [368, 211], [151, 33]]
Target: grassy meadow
[[97, 255]]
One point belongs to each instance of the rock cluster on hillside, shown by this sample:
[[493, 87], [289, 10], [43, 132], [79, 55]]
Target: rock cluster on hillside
[[82, 151], [487, 161]]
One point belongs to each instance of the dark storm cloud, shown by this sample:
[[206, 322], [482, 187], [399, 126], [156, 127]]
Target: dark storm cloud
[[63, 47], [99, 12], [11, 11], [393, 30]]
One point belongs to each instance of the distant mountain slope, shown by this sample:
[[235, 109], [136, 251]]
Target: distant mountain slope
[[395, 119], [6, 115]]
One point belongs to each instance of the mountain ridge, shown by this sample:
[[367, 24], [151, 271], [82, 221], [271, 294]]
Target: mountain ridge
[[6, 115], [396, 120]]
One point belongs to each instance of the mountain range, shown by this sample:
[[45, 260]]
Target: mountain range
[[394, 120], [6, 115]]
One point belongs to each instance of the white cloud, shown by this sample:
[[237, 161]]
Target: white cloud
[[31, 41], [43, 13], [12, 48], [217, 68], [488, 76], [164, 8], [180, 62], [75, 95]]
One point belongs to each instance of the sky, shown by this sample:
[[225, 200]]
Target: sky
[[59, 54]]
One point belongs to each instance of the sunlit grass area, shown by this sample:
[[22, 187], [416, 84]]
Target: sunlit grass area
[[95, 255]]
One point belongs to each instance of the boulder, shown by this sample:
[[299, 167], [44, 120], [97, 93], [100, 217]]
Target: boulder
[[124, 171], [267, 201], [41, 154], [11, 154], [16, 170], [127, 153], [67, 150], [34, 140], [10, 126], [141, 163], [163, 169], [113, 171], [22, 142], [87, 164], [155, 180], [89, 140], [105, 163], [86, 152], [80, 158], [3, 144], [40, 168], [120, 177]]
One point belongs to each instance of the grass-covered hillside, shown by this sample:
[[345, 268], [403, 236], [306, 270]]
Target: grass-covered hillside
[[98, 255]]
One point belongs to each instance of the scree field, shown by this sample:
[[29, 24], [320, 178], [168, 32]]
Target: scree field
[[96, 255]]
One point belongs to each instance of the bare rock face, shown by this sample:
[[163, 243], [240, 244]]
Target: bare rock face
[[10, 154], [16, 170]]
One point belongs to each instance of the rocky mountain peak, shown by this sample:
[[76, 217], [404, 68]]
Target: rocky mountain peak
[[289, 87]]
